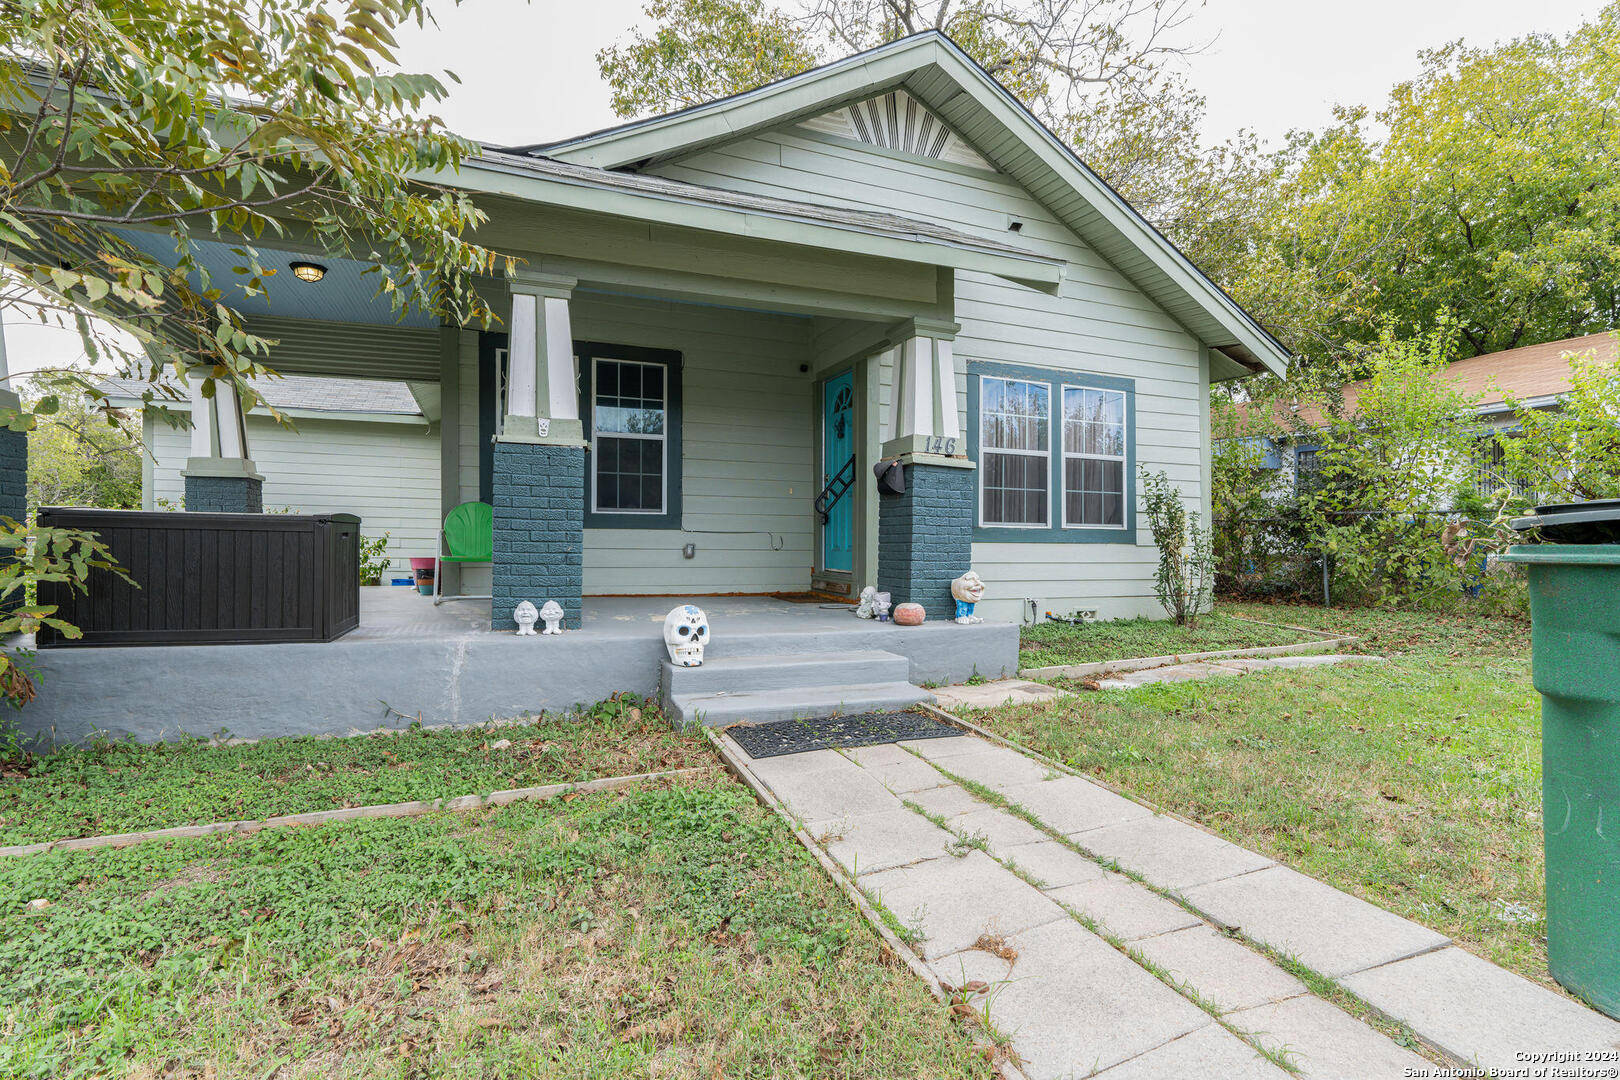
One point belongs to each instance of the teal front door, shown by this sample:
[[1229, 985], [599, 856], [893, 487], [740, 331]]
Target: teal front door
[[837, 502]]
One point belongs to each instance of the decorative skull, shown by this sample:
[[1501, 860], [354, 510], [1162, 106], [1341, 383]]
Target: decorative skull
[[552, 613], [686, 632], [865, 609], [525, 615]]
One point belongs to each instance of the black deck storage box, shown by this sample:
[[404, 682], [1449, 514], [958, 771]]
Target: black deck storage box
[[211, 579]]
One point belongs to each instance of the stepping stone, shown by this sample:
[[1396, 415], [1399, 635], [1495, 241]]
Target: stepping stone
[[991, 694], [1225, 973], [1170, 853], [1072, 804], [873, 842], [998, 827], [996, 767], [1053, 864], [1478, 1012], [1072, 1003], [900, 772], [1326, 1043], [947, 802], [1210, 1051], [1124, 908], [950, 746], [819, 791], [1172, 673], [954, 902], [1330, 932]]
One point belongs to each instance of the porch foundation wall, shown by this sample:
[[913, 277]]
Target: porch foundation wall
[[539, 503], [388, 682], [225, 494], [925, 537]]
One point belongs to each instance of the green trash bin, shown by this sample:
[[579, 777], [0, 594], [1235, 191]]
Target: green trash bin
[[1575, 661]]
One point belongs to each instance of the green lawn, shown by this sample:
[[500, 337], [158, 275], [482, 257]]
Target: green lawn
[[673, 931], [122, 787], [1049, 644], [1415, 783]]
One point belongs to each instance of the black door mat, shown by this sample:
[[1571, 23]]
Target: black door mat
[[781, 737]]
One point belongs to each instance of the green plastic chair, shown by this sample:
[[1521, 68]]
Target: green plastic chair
[[469, 537]]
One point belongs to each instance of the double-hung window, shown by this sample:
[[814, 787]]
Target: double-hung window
[[1054, 454], [1093, 458], [628, 437], [633, 470], [1015, 420]]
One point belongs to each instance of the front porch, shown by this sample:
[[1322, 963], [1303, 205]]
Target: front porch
[[408, 660]]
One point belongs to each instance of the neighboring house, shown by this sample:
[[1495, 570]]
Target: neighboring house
[[358, 446], [1536, 376], [726, 316]]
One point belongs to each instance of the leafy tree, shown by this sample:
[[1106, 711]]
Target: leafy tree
[[1487, 189], [270, 122], [698, 50], [82, 455], [1570, 453], [1392, 459]]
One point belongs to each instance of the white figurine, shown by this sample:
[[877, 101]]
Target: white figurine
[[552, 613], [868, 598], [525, 615], [686, 632], [968, 590], [881, 604]]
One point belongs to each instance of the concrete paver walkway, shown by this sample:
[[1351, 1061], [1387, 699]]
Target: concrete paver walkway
[[1103, 939]]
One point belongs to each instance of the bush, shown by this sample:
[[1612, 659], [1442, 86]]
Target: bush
[[1185, 582]]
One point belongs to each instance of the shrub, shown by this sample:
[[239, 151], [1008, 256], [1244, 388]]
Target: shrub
[[1185, 581]]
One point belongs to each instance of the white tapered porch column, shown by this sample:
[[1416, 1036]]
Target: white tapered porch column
[[923, 414], [538, 480], [220, 476]]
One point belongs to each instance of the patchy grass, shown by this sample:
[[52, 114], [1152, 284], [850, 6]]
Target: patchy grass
[[1415, 783], [1049, 644], [112, 787], [672, 931]]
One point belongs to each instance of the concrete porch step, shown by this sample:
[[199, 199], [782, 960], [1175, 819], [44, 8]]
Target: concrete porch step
[[735, 674], [720, 709]]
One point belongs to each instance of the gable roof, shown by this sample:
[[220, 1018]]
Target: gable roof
[[933, 69], [302, 393]]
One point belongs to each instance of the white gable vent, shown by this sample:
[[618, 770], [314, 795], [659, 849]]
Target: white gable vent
[[898, 121]]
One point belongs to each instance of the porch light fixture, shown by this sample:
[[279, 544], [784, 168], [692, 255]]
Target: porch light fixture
[[308, 271]]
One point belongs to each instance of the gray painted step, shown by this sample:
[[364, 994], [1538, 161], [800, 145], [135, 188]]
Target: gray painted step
[[735, 674], [763, 706]]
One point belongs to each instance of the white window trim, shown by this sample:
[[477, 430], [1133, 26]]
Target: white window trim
[[986, 449], [662, 438], [1123, 459]]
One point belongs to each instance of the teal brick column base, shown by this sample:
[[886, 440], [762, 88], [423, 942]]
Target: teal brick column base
[[925, 537], [225, 494], [538, 493]]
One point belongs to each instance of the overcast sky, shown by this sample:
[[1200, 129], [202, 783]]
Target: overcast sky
[[528, 70]]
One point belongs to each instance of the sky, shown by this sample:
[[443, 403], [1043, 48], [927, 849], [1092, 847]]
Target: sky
[[528, 70]]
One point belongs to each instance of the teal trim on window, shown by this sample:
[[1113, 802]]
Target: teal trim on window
[[1053, 531], [670, 517]]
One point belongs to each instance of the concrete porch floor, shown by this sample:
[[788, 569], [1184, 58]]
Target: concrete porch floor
[[391, 611], [408, 660]]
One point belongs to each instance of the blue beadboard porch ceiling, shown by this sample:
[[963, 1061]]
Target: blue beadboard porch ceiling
[[932, 68], [344, 295]]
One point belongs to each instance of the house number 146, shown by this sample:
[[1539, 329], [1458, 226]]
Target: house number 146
[[938, 444]]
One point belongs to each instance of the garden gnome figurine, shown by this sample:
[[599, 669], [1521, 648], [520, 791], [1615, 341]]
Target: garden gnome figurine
[[525, 615], [881, 603], [553, 614], [865, 610], [968, 590]]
